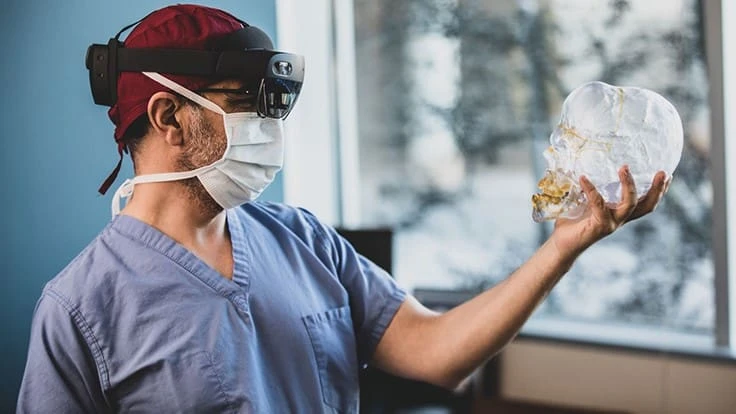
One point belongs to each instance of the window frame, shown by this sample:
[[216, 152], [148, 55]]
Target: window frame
[[714, 59], [322, 173], [725, 120]]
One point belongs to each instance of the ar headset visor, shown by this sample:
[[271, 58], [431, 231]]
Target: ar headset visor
[[245, 54]]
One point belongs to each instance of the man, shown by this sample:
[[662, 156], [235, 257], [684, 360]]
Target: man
[[197, 299]]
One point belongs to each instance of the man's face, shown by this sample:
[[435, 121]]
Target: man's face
[[204, 134]]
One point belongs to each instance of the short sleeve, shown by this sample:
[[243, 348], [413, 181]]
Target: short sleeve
[[374, 294], [60, 374]]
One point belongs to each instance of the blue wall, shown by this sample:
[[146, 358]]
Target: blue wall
[[57, 147]]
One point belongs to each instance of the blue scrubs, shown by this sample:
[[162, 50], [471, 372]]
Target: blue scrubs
[[137, 323]]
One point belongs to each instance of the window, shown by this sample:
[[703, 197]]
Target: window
[[442, 133]]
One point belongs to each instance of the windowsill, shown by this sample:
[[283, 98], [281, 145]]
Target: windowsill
[[618, 337], [627, 338]]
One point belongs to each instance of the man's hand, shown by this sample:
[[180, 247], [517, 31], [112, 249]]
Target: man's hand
[[571, 237]]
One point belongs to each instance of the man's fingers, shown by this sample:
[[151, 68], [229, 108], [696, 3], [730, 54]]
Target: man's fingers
[[667, 184], [629, 208], [649, 202], [595, 200], [628, 195]]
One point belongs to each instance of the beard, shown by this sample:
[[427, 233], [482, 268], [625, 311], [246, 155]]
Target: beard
[[203, 148]]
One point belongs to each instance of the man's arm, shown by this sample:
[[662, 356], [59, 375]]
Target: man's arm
[[60, 374], [443, 349]]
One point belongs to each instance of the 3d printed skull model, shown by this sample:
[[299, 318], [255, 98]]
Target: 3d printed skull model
[[603, 127]]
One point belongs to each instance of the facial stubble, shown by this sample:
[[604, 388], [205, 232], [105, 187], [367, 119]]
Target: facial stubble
[[203, 148]]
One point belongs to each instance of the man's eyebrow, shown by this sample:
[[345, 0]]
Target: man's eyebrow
[[238, 92], [240, 98], [242, 102], [229, 91]]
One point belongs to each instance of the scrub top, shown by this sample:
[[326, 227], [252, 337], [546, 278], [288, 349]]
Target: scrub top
[[137, 323]]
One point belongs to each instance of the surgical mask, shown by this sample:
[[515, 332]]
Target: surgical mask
[[253, 156]]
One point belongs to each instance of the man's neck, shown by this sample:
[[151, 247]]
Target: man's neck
[[168, 207]]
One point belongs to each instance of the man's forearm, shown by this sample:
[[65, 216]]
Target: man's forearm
[[471, 333], [446, 348]]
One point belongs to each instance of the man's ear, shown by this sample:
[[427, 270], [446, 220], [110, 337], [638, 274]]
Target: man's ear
[[162, 109]]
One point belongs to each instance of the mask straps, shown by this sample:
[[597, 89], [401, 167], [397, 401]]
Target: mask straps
[[126, 188], [185, 92]]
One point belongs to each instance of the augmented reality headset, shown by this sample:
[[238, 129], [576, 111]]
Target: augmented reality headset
[[245, 54]]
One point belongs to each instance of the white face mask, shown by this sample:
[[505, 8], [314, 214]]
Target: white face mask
[[254, 154]]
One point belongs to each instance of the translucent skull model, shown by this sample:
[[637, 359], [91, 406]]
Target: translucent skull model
[[603, 127]]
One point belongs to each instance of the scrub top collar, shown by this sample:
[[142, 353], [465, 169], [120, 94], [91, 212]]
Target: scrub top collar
[[154, 239]]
